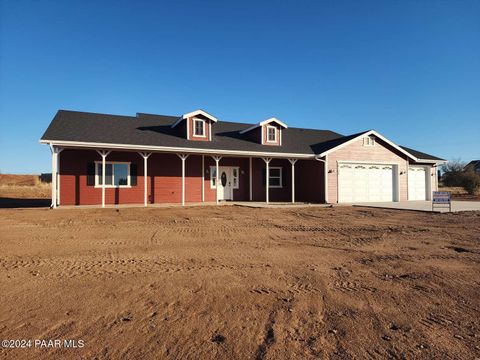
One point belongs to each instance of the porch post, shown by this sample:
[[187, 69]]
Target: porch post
[[250, 178], [267, 178], [203, 178], [293, 161], [217, 160], [145, 156], [53, 149], [103, 154], [183, 157]]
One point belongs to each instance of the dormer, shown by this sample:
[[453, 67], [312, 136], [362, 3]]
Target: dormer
[[267, 132], [196, 125]]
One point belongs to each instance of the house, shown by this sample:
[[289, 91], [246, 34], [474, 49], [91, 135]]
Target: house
[[474, 166], [195, 157]]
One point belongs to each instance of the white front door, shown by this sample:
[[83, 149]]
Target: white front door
[[417, 184], [365, 182], [228, 180]]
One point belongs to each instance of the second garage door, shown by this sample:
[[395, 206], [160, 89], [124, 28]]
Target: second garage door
[[365, 183], [417, 183]]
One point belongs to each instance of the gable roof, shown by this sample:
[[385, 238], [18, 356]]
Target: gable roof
[[264, 122], [473, 164], [155, 131]]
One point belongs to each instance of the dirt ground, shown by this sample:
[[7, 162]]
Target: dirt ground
[[231, 282]]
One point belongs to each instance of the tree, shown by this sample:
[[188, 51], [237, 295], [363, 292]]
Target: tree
[[453, 172]]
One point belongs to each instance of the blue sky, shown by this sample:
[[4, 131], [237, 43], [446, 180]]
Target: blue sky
[[408, 69]]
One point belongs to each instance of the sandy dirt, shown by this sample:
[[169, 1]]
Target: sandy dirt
[[231, 282]]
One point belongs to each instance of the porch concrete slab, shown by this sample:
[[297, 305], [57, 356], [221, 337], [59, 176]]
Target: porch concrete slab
[[423, 205], [276, 205]]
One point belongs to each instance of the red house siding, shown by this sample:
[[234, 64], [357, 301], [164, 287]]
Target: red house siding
[[164, 179]]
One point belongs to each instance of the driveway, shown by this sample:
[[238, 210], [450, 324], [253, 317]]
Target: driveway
[[424, 205]]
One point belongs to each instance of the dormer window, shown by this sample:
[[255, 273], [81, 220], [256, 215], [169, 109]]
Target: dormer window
[[271, 134], [369, 141], [267, 132], [196, 125], [199, 127]]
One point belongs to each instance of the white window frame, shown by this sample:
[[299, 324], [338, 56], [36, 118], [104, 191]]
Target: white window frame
[[212, 168], [195, 120], [369, 140], [276, 177], [98, 184], [274, 131]]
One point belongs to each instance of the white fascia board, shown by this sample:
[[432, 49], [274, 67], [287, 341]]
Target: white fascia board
[[192, 114], [268, 121], [200, 112], [264, 122], [94, 145], [368, 133]]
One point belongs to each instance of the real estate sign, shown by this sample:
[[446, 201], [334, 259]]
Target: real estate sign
[[442, 199]]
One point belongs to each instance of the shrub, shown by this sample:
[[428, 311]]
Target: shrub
[[470, 182]]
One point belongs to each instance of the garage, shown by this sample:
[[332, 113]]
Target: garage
[[365, 182], [417, 183]]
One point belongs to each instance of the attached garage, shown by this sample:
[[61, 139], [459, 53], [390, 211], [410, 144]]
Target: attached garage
[[417, 183], [366, 182]]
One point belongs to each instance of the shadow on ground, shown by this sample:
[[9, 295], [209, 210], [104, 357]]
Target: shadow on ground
[[12, 203]]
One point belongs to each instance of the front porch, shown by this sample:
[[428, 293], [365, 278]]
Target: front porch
[[164, 178]]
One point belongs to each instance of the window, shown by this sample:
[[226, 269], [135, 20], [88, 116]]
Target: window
[[199, 127], [275, 178], [369, 141], [213, 177], [271, 134], [117, 174]]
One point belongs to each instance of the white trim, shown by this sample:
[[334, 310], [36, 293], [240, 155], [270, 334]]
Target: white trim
[[188, 129], [94, 145], [192, 114], [370, 132], [276, 177], [200, 112], [293, 161], [145, 176], [275, 141], [264, 122], [194, 120], [183, 157], [267, 177], [97, 175], [217, 160]]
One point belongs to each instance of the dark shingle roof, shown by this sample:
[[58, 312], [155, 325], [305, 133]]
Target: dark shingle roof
[[421, 155], [155, 130]]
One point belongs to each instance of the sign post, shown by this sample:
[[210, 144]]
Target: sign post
[[442, 199]]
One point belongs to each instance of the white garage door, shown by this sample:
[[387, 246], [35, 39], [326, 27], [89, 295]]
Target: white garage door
[[365, 182], [417, 183]]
